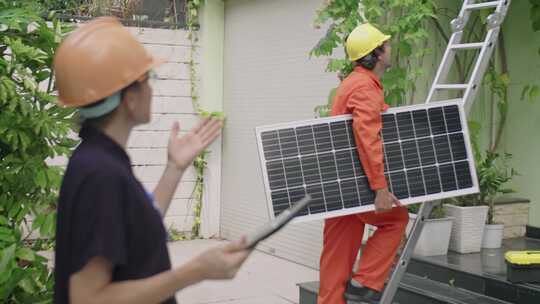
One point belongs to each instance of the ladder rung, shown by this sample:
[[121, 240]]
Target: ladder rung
[[482, 5], [451, 86], [467, 46]]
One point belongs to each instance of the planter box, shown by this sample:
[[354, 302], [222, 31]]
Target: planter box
[[435, 236], [468, 227], [513, 213]]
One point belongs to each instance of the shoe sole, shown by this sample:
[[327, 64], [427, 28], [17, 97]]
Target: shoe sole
[[360, 302], [355, 299], [363, 301]]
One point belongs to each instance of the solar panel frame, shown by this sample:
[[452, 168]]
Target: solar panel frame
[[423, 168]]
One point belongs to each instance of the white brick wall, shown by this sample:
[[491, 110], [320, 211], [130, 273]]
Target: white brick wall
[[268, 78], [147, 146], [171, 102], [514, 216]]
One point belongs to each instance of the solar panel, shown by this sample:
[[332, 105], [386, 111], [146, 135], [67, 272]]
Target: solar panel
[[427, 156]]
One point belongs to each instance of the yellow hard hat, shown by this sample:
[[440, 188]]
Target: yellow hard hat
[[97, 60], [362, 40]]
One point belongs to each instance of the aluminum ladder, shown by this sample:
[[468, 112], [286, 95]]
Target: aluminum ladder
[[469, 89]]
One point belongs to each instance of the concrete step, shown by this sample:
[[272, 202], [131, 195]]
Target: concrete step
[[415, 290], [466, 274]]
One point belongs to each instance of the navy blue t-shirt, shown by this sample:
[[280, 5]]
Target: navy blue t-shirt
[[103, 210]]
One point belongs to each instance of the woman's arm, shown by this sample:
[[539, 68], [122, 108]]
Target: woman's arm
[[181, 153], [93, 285]]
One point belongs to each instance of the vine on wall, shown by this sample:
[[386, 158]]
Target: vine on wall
[[193, 8]]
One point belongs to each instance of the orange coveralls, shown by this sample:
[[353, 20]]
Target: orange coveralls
[[361, 94]]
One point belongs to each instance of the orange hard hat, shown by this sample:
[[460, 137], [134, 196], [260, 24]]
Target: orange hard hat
[[97, 60]]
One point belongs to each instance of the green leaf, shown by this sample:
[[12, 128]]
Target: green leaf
[[43, 75], [27, 285], [536, 25], [38, 221], [7, 256], [41, 178], [25, 254], [405, 49], [533, 93], [504, 79], [3, 220], [15, 209], [48, 225], [524, 92]]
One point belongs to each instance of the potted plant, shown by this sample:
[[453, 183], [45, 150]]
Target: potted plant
[[493, 174], [435, 236], [474, 227]]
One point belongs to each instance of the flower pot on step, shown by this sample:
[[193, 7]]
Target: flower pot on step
[[435, 236], [493, 235], [467, 228]]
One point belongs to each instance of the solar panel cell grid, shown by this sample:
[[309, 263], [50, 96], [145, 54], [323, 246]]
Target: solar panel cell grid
[[425, 153]]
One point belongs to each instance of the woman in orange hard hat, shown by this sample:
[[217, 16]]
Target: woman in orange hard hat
[[361, 94], [110, 239]]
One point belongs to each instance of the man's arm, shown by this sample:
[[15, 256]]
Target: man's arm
[[367, 125]]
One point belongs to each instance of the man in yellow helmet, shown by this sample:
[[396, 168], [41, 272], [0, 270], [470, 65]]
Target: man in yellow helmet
[[361, 94], [110, 238]]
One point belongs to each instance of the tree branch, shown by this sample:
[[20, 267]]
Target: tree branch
[[504, 114]]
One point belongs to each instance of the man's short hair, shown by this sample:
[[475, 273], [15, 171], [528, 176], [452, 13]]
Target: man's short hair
[[370, 60]]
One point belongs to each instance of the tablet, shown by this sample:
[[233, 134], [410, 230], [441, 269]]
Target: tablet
[[279, 222]]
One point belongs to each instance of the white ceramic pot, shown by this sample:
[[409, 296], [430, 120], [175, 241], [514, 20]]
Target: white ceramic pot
[[468, 227], [435, 236], [493, 235]]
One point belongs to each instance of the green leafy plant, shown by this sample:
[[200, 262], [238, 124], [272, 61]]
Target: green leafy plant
[[493, 175], [70, 7], [192, 22], [405, 20], [32, 129], [125, 9], [531, 92], [200, 164], [175, 235], [325, 109], [436, 213]]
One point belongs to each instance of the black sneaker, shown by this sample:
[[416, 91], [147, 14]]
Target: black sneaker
[[361, 295]]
